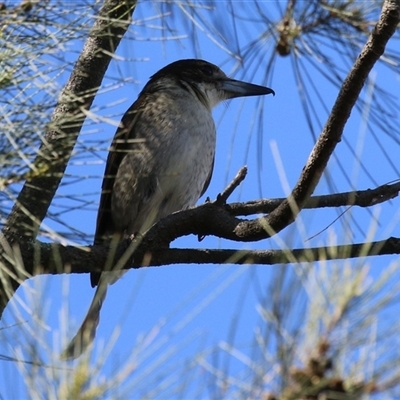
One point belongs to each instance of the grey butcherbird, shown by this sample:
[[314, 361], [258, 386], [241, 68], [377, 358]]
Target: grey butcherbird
[[161, 160]]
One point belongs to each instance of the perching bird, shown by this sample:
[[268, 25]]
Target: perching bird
[[161, 160]]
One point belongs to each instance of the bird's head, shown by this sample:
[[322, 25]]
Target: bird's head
[[204, 80]]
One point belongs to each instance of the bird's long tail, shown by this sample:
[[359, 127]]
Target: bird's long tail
[[87, 330]]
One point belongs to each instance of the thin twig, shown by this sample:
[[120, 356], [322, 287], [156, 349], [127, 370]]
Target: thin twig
[[236, 181]]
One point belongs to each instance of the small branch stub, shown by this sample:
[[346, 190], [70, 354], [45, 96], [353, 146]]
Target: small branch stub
[[237, 180]]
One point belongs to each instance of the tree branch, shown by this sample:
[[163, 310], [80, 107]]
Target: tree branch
[[29, 258], [57, 259], [360, 198]]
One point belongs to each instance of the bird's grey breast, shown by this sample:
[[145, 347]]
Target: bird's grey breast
[[171, 158], [187, 149]]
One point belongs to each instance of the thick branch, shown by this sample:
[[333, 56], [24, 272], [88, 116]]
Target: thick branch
[[214, 219], [54, 257]]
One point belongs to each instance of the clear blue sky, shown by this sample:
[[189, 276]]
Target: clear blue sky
[[177, 312]]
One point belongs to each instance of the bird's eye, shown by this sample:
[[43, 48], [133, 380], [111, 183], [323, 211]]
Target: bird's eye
[[207, 70]]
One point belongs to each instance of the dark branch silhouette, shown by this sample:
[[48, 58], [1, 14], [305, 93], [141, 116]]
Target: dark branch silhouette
[[153, 250]]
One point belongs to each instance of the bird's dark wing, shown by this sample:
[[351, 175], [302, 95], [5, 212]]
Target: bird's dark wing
[[207, 182], [119, 148]]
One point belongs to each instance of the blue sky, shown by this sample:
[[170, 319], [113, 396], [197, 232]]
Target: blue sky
[[173, 318]]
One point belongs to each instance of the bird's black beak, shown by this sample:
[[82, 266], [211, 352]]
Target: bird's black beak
[[234, 88]]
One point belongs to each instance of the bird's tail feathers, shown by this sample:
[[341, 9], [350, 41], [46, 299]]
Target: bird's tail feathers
[[87, 331]]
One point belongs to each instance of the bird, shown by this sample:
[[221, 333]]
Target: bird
[[160, 161]]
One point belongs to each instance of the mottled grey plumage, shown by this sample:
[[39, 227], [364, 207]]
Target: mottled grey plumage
[[161, 159]]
